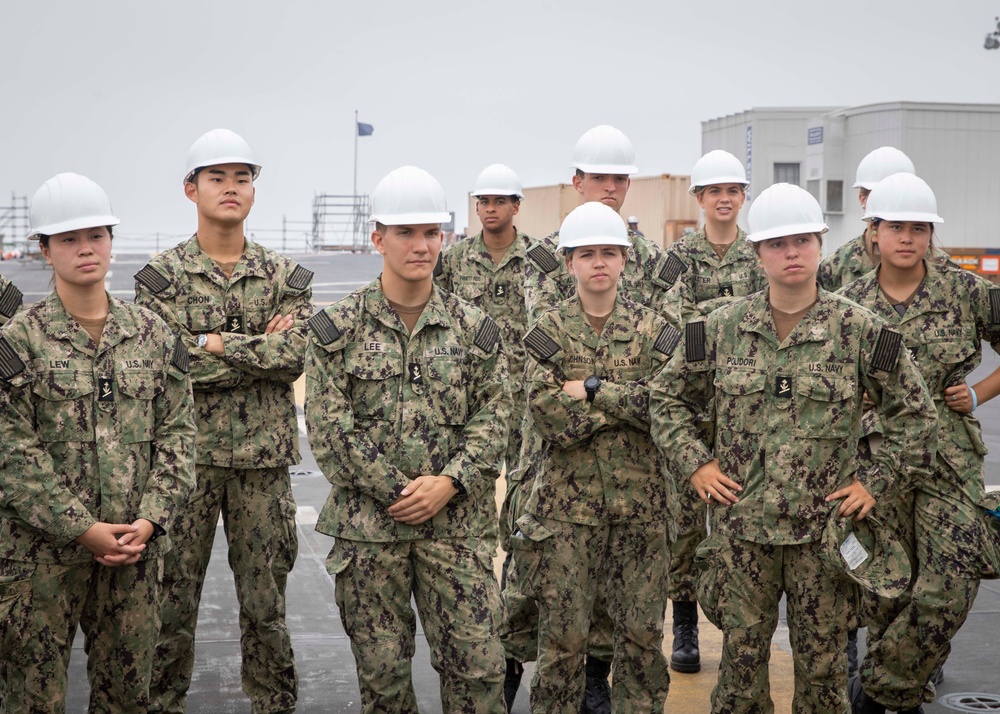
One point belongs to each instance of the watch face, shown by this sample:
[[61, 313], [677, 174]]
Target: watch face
[[591, 382]]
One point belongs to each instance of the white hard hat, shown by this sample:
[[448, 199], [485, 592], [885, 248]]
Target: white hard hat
[[498, 180], [592, 223], [218, 147], [784, 210], [717, 167], [604, 150], [632, 219], [69, 202], [409, 196], [884, 161], [902, 197]]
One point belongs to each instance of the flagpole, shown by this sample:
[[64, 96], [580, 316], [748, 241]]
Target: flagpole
[[355, 159]]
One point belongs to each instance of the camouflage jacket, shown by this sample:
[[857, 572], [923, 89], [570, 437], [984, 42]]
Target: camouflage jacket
[[703, 281], [244, 404], [467, 270], [598, 464], [10, 300], [850, 262], [384, 406], [548, 282], [90, 432], [788, 416], [943, 327]]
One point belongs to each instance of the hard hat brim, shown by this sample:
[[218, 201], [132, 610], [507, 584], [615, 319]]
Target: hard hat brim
[[616, 169], [693, 189], [792, 230], [496, 192], [592, 240], [909, 216], [74, 224], [254, 168], [409, 219]]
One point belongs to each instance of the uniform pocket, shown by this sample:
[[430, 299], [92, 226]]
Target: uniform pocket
[[64, 407], [526, 546], [824, 406], [136, 391], [446, 391], [15, 600], [741, 402], [374, 381]]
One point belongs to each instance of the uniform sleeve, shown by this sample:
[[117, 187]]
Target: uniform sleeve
[[277, 356], [442, 271], [172, 472], [347, 457], [679, 394], [906, 412], [32, 489], [483, 441], [545, 280], [207, 372]]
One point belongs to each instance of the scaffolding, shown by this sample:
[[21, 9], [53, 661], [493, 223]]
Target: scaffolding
[[14, 225], [340, 223]]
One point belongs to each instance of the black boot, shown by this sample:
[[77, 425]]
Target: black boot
[[861, 703], [597, 695], [686, 657], [917, 710], [512, 681], [852, 653]]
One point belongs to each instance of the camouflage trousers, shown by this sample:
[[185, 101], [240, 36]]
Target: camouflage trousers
[[565, 566], [910, 637], [519, 630], [748, 580], [258, 514], [686, 531], [118, 611], [458, 600]]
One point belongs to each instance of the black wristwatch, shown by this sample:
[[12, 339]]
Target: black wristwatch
[[591, 384]]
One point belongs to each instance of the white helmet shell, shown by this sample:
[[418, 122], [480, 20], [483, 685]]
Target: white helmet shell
[[902, 197], [498, 180], [69, 202], [592, 223], [218, 147], [409, 196], [717, 167], [604, 150], [883, 161], [784, 210]]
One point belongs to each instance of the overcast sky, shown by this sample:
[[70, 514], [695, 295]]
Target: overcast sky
[[119, 90]]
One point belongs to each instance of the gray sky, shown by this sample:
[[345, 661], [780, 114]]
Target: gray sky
[[119, 90]]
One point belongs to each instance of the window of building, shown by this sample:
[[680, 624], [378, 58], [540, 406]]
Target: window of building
[[786, 173], [834, 196]]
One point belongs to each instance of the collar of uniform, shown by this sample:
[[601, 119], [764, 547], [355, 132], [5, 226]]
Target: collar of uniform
[[813, 327], [576, 325], [60, 325], [479, 252], [198, 261], [739, 250], [922, 302], [434, 312]]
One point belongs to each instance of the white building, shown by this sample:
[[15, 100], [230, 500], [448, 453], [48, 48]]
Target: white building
[[954, 147]]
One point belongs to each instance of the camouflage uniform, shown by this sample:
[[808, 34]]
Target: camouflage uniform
[[92, 433], [10, 300], [384, 407], [704, 282], [247, 438], [594, 520], [787, 423], [467, 270], [908, 638], [850, 262], [547, 283]]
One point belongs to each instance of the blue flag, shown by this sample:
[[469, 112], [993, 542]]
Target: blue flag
[[365, 129]]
